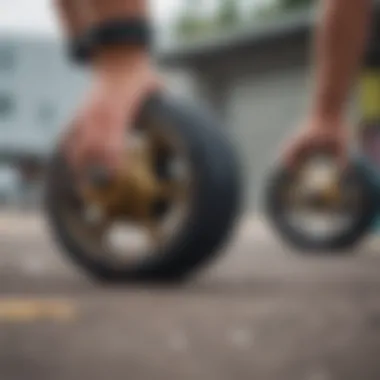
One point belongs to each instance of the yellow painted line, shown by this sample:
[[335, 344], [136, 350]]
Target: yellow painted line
[[15, 310]]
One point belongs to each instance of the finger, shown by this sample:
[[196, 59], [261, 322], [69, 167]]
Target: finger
[[343, 156], [334, 147], [297, 151], [289, 155], [85, 149], [104, 151], [112, 154], [72, 146], [68, 137], [142, 94]]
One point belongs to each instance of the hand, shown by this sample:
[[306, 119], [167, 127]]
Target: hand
[[318, 134], [97, 137]]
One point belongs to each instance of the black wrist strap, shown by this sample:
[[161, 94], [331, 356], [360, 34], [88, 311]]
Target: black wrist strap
[[79, 51], [120, 32], [113, 33]]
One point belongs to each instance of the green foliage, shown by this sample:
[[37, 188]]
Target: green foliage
[[279, 7], [267, 11], [228, 13], [188, 25], [191, 25], [294, 4]]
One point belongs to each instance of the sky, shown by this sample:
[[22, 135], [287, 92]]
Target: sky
[[36, 16]]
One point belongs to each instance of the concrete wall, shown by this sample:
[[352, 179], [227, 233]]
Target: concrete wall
[[45, 90], [43, 87], [261, 95], [261, 113], [39, 93], [258, 93]]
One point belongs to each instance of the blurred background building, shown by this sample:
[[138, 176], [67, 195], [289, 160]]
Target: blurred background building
[[247, 59], [257, 79], [38, 91]]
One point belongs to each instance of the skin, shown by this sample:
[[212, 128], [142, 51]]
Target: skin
[[122, 78], [340, 43], [71, 21]]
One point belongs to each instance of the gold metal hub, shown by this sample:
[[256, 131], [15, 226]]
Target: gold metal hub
[[130, 196]]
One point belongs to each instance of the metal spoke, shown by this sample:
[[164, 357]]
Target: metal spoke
[[174, 190], [149, 179]]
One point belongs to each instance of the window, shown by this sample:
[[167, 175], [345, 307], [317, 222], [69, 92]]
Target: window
[[7, 58], [7, 106]]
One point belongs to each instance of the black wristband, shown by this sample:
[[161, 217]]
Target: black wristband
[[120, 32], [79, 50]]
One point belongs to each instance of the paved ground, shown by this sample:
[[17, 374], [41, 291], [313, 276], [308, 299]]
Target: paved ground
[[260, 313]]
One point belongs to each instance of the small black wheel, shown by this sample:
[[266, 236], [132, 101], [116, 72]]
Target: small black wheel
[[329, 218], [187, 152]]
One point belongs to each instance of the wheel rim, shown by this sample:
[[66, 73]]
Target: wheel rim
[[320, 202], [140, 213]]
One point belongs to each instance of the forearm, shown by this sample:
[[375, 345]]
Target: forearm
[[72, 17], [79, 16], [104, 10], [121, 57], [340, 44]]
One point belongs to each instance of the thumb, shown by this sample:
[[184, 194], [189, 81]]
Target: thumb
[[295, 151], [115, 153]]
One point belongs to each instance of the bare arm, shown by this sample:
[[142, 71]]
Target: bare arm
[[121, 58], [109, 9], [123, 76], [71, 18], [78, 16], [340, 44]]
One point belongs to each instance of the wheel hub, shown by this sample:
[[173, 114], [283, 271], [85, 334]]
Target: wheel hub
[[138, 194], [317, 188], [132, 191]]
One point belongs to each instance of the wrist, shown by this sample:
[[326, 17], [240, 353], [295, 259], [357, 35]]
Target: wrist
[[325, 120], [329, 103], [120, 42], [121, 61], [327, 112], [327, 115]]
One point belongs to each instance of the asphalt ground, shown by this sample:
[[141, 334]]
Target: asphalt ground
[[261, 312]]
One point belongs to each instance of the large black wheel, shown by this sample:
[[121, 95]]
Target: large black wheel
[[329, 214], [168, 216]]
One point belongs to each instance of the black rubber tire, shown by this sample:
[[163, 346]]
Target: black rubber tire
[[215, 204], [341, 243]]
